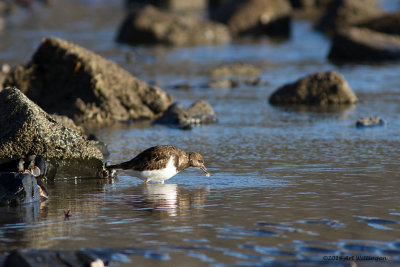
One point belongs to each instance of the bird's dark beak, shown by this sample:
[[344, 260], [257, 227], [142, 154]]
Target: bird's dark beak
[[205, 170]]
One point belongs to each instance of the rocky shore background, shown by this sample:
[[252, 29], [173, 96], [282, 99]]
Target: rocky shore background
[[53, 102]]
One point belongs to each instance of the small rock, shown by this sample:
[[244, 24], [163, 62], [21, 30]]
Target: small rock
[[361, 44], [255, 17], [256, 81], [224, 83], [370, 122], [236, 69], [184, 86], [319, 89], [150, 25], [198, 113]]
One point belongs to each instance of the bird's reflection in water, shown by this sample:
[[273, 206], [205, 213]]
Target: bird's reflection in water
[[170, 200]]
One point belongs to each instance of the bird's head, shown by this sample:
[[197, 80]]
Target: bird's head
[[196, 161]]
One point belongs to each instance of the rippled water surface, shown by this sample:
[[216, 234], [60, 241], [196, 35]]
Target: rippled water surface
[[286, 185]]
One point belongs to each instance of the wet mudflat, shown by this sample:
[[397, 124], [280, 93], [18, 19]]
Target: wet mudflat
[[291, 185]]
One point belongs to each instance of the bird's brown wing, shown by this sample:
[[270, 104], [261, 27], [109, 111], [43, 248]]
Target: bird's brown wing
[[152, 158]]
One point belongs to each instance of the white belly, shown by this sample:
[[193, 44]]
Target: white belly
[[158, 175]]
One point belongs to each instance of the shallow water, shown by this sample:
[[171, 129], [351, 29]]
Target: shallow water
[[286, 186]]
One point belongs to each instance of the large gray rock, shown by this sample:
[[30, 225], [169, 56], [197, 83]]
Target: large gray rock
[[28, 130], [198, 113], [272, 17], [319, 89], [361, 44], [150, 25], [67, 79], [343, 13]]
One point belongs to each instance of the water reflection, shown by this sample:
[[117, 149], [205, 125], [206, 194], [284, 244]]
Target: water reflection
[[169, 200]]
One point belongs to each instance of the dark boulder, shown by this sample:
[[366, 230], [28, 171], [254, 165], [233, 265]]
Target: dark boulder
[[387, 23], [150, 25], [344, 13], [67, 79], [370, 122], [361, 44], [169, 4], [198, 113], [27, 130], [255, 17], [319, 89], [19, 188]]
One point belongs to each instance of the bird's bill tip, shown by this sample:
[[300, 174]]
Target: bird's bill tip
[[205, 171]]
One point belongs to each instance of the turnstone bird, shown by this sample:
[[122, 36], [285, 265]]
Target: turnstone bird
[[159, 163]]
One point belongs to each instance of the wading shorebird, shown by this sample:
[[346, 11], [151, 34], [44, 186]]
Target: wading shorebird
[[159, 163]]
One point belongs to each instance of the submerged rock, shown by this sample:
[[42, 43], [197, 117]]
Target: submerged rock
[[344, 13], [150, 25], [199, 112], [370, 122], [67, 79], [319, 89], [361, 44], [271, 17], [27, 130]]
